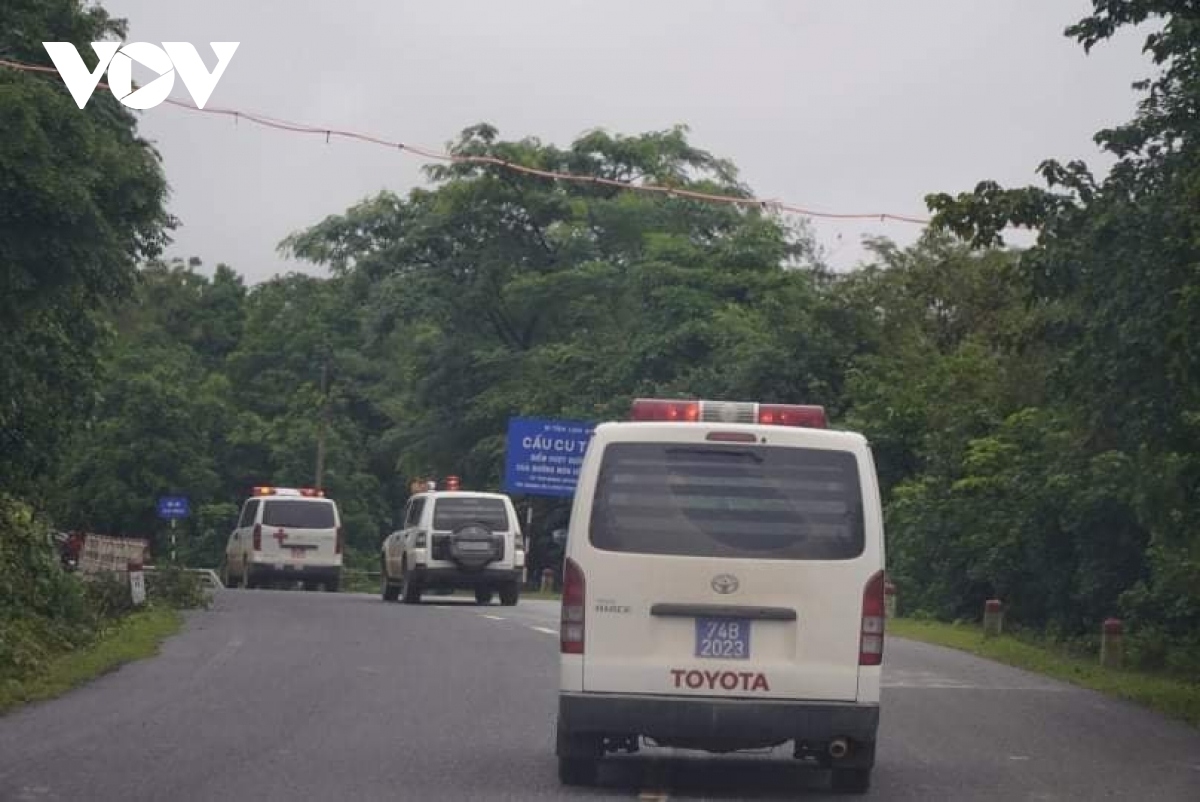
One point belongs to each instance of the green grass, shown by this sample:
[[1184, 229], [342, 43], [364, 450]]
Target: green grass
[[133, 638], [1174, 697]]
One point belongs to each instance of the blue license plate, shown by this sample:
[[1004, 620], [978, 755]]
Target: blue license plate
[[723, 638]]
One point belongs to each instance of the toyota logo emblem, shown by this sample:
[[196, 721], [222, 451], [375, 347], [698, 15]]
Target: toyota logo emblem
[[724, 583]]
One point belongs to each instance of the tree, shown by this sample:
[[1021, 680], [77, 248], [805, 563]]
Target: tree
[[84, 202], [497, 294], [1116, 257]]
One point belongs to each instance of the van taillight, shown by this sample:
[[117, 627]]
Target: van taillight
[[870, 649], [337, 547], [574, 596], [258, 537]]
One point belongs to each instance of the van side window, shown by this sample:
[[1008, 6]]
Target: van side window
[[249, 513], [415, 507]]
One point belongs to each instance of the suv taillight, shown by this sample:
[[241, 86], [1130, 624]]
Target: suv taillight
[[337, 547], [258, 537], [574, 594], [870, 649]]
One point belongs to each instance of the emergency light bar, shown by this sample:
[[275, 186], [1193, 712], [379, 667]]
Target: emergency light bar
[[289, 491], [704, 411]]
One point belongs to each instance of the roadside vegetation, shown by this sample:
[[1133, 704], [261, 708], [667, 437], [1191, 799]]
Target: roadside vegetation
[[1035, 413], [1072, 661]]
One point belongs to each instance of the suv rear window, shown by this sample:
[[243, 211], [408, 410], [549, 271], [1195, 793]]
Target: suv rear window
[[741, 501], [451, 513], [299, 514]]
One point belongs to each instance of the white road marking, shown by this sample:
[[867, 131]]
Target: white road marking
[[543, 629], [928, 679], [493, 617]]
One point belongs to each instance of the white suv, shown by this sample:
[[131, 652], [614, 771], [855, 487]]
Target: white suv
[[723, 589], [455, 540], [286, 535]]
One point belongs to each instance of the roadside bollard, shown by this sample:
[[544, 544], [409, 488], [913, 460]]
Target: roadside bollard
[[547, 580], [137, 583], [889, 599], [993, 618], [1112, 647]]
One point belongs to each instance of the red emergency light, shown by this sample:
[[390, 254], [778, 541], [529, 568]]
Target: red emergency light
[[309, 492], [706, 411], [452, 483], [658, 409]]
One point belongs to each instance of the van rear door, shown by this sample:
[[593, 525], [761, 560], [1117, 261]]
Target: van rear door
[[300, 530], [726, 567]]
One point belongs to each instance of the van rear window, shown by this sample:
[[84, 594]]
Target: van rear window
[[451, 513], [740, 501], [299, 514]]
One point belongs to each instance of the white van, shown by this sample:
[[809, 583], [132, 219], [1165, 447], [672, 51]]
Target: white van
[[286, 535], [723, 589]]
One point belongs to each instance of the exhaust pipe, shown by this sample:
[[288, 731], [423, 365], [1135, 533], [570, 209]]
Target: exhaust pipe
[[838, 748]]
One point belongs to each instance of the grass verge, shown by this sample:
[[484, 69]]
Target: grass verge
[[134, 637], [1174, 697]]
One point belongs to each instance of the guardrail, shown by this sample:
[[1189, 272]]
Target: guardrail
[[210, 577]]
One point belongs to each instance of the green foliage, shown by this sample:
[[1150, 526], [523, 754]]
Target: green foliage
[[176, 588], [1115, 265], [83, 202]]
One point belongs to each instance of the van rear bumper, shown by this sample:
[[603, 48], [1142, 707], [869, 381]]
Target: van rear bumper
[[271, 571], [720, 724]]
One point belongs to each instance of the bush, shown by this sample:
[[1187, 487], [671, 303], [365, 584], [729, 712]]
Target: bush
[[43, 610], [171, 586]]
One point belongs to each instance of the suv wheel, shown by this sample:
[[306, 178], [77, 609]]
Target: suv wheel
[[483, 596], [510, 593], [412, 591], [389, 591]]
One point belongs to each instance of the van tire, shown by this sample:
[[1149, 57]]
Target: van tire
[[580, 771], [851, 781], [510, 594], [483, 596]]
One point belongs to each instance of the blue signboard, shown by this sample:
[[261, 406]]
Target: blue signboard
[[543, 456], [173, 507]]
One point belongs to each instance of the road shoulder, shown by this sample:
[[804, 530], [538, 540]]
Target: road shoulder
[[134, 637], [1171, 696]]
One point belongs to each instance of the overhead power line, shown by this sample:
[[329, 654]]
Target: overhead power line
[[428, 153]]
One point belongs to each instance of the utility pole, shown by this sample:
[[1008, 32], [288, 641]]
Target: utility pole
[[323, 423]]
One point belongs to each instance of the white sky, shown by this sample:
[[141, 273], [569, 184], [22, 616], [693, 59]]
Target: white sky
[[837, 106]]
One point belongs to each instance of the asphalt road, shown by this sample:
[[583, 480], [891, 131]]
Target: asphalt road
[[275, 695]]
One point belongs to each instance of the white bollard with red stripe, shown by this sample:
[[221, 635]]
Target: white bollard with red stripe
[[137, 583]]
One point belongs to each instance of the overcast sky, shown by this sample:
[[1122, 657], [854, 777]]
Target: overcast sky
[[838, 106]]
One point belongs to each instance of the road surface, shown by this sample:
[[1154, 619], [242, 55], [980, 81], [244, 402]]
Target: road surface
[[276, 695]]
